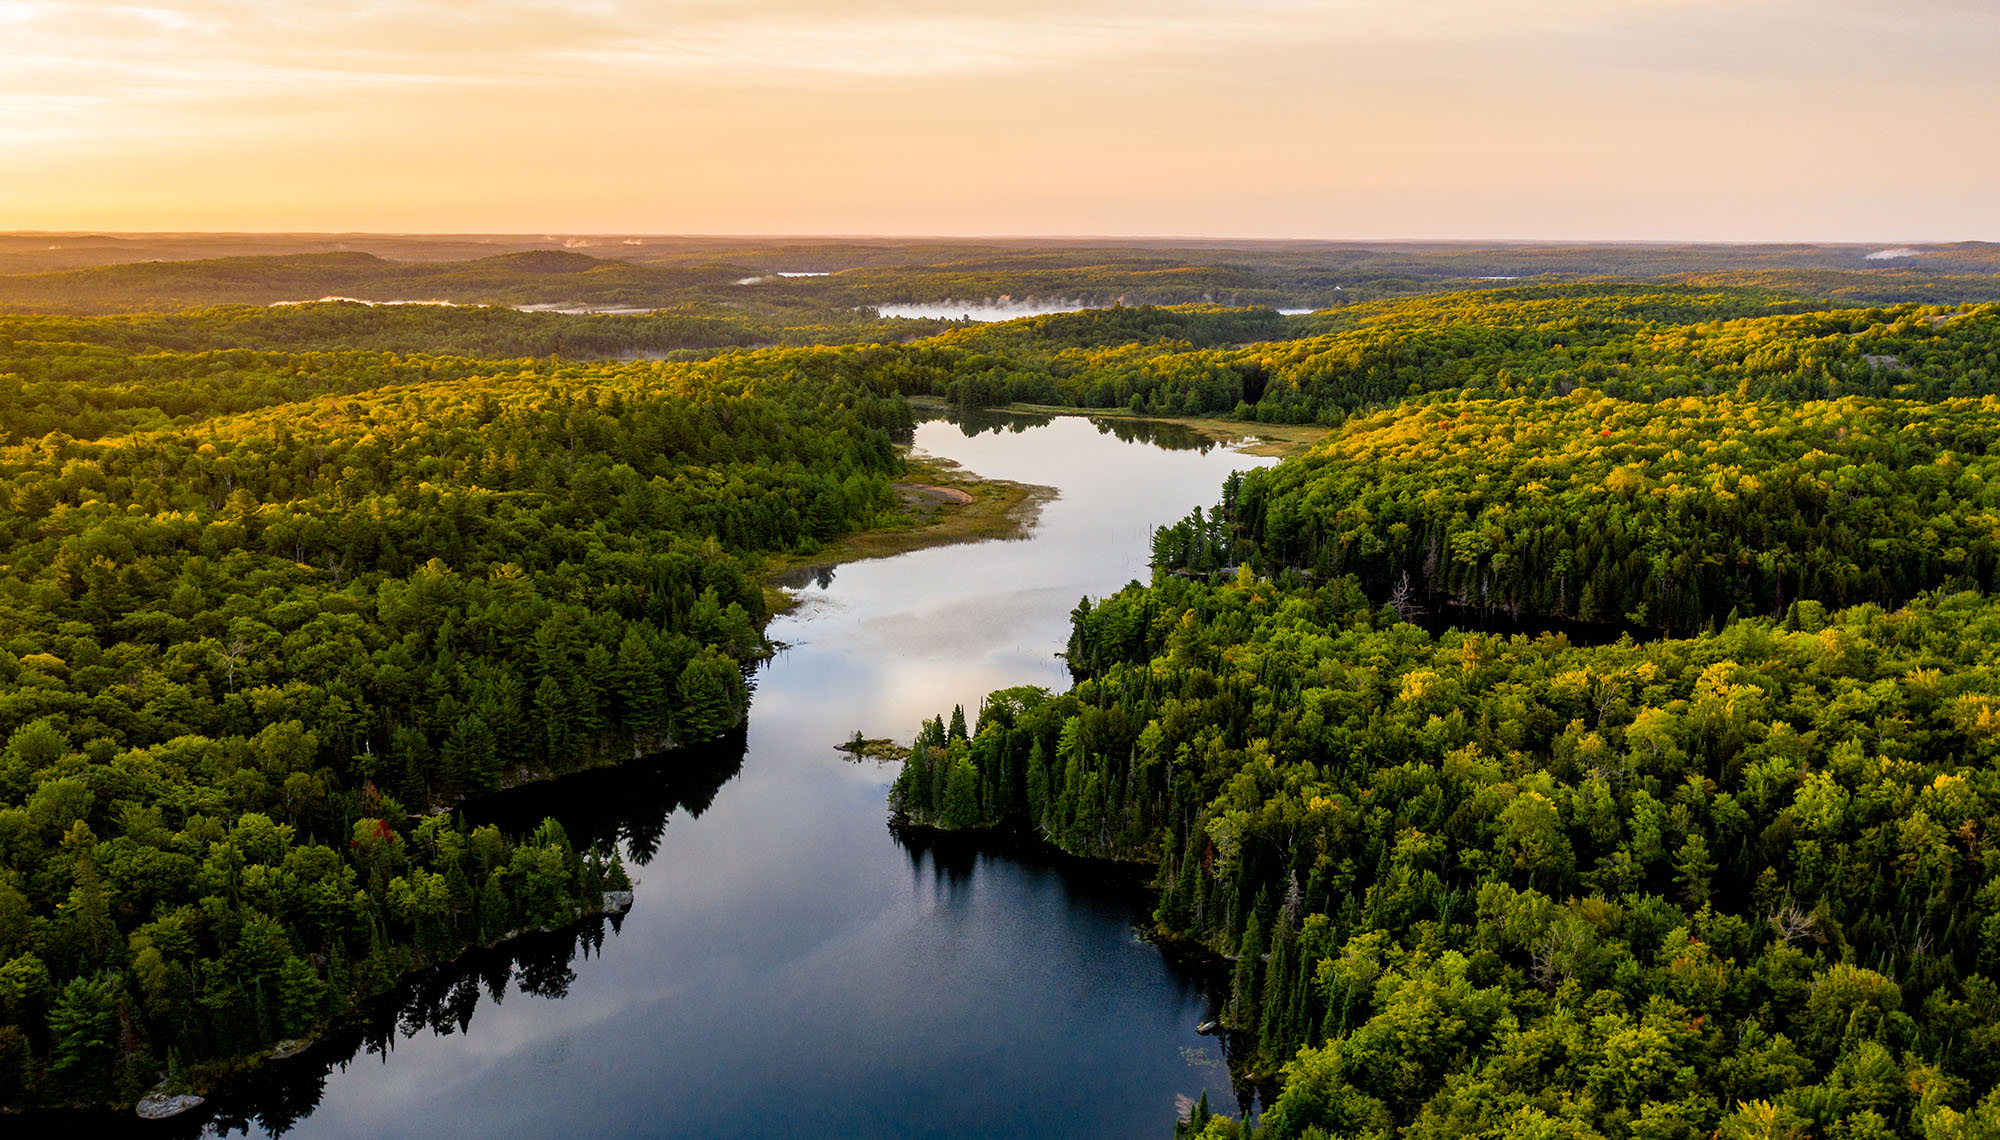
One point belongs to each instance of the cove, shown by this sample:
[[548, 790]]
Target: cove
[[790, 967]]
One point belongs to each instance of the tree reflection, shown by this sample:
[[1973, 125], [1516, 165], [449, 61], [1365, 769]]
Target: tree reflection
[[1168, 435], [628, 805]]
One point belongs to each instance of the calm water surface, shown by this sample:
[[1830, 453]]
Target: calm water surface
[[790, 968]]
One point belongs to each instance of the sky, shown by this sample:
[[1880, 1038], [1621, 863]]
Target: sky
[[1726, 120]]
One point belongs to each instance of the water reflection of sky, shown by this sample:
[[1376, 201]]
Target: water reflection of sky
[[789, 968]]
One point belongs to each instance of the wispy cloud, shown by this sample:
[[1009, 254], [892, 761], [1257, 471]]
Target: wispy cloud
[[225, 42], [1111, 102]]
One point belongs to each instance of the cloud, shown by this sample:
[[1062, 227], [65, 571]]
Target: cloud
[[1127, 116], [244, 44], [205, 46]]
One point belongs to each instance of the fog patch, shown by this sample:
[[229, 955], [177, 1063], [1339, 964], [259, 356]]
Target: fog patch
[[1001, 308], [780, 275], [576, 310], [1893, 254], [360, 301]]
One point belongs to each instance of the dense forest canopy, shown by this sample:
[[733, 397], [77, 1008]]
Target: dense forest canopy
[[281, 585], [1485, 885], [1734, 879], [262, 610]]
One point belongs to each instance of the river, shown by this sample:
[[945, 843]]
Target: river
[[791, 968]]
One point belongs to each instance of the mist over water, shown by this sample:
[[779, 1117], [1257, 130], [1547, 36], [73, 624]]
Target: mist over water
[[588, 310], [355, 301], [991, 309]]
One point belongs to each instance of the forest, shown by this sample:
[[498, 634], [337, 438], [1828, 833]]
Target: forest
[[834, 281], [266, 616], [1712, 858], [1475, 884], [283, 587]]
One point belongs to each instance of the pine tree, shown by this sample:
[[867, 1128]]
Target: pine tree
[[1246, 980], [961, 800], [1276, 992], [1187, 890], [1087, 832], [706, 690], [911, 793], [1166, 912], [1038, 785]]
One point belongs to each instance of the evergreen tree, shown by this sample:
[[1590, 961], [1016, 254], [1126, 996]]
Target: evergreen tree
[[961, 799], [1038, 785]]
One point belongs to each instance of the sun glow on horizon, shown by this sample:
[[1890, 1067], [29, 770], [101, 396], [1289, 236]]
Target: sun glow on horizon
[[1656, 119]]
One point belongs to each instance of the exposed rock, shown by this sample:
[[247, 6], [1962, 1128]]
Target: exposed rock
[[160, 1106], [617, 902], [291, 1047]]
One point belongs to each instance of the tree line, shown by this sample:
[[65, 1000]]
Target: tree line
[[1732, 880], [261, 628], [1474, 884], [1669, 514]]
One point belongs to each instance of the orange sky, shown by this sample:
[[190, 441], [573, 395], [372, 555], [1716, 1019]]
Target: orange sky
[[1857, 120]]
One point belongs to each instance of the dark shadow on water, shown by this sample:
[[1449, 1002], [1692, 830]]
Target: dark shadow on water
[[1167, 435], [629, 803], [953, 860], [1164, 434], [798, 578], [957, 856], [980, 421], [442, 1000]]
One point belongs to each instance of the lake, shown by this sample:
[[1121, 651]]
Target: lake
[[791, 968]]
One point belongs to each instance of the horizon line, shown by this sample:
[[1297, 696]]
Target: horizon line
[[555, 235]]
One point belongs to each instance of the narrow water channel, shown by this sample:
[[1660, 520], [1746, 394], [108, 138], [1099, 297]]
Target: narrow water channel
[[790, 968]]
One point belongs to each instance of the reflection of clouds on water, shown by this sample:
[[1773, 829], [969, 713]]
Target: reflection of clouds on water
[[935, 634]]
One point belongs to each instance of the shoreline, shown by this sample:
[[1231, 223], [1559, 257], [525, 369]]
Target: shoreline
[[206, 1090], [947, 504], [1280, 441], [952, 505]]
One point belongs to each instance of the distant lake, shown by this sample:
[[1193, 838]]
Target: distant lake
[[791, 967]]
